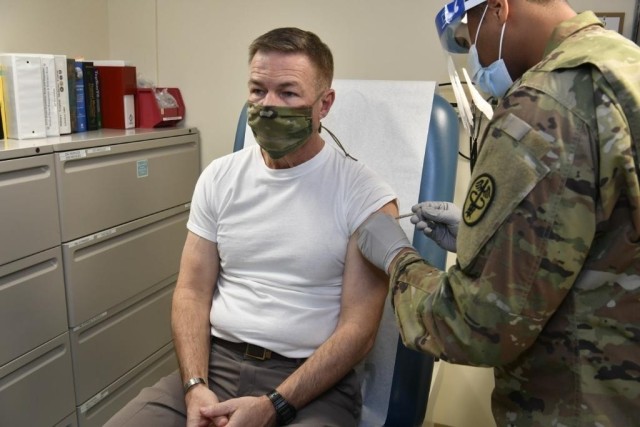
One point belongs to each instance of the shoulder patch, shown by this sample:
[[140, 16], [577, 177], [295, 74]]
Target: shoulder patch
[[479, 198]]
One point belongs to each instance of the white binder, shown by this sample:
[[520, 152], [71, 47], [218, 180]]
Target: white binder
[[62, 94], [24, 95], [49, 86]]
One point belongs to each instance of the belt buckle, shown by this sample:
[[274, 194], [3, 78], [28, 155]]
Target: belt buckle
[[257, 352]]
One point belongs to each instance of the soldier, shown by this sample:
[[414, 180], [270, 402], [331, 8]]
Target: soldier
[[546, 288]]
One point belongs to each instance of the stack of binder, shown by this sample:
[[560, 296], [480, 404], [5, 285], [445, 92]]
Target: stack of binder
[[50, 95]]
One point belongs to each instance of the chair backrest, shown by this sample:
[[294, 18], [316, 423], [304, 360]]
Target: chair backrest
[[409, 135]]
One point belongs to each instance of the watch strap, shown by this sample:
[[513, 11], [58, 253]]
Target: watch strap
[[192, 382], [285, 412]]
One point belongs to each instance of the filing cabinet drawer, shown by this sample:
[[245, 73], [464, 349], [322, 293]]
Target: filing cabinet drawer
[[37, 389], [107, 268], [32, 303], [102, 187], [100, 408], [29, 207], [106, 349]]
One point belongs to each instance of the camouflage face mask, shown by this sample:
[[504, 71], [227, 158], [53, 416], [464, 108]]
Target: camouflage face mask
[[280, 130]]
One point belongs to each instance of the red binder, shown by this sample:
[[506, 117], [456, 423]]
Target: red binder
[[118, 96]]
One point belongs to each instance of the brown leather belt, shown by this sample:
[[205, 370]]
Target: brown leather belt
[[253, 352]]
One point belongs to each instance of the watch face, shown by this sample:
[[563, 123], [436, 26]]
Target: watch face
[[285, 412]]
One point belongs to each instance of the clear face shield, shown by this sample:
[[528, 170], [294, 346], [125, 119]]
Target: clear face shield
[[451, 24]]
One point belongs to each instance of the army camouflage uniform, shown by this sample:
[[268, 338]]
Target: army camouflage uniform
[[546, 288]]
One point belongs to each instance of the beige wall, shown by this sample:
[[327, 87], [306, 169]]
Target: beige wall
[[200, 46], [66, 27]]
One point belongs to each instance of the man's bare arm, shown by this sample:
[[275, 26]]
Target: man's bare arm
[[191, 305], [191, 329], [363, 296]]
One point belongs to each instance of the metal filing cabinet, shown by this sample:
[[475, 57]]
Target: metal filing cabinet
[[124, 204], [35, 357], [96, 222]]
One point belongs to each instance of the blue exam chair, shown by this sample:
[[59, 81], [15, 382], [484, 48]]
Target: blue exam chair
[[408, 390]]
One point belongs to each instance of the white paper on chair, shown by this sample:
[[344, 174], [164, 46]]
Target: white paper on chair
[[384, 124]]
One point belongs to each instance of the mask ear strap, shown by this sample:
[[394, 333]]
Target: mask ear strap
[[504, 26], [480, 23], [337, 141]]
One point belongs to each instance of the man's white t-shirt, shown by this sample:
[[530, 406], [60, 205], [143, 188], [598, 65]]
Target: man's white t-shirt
[[282, 238]]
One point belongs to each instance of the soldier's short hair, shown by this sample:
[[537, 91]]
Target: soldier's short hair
[[295, 40], [478, 9], [544, 2]]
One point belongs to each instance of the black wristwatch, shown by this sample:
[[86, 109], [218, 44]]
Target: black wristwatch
[[285, 412]]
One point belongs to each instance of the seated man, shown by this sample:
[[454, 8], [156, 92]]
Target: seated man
[[274, 304]]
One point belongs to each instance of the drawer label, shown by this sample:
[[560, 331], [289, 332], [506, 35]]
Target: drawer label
[[142, 167], [82, 241], [72, 155], [98, 150], [92, 237], [105, 233], [81, 154], [93, 401]]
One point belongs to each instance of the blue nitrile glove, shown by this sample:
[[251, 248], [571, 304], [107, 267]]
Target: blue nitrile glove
[[438, 221], [380, 238]]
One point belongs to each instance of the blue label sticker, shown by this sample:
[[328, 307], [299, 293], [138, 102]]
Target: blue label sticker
[[142, 168]]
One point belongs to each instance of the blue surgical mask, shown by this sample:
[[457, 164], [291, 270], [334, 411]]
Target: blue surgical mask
[[494, 79]]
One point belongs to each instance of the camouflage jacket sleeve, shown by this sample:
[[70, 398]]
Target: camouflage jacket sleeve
[[528, 221]]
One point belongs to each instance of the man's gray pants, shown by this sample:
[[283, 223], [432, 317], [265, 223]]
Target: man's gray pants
[[232, 375]]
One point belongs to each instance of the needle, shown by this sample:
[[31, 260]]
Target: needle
[[405, 215]]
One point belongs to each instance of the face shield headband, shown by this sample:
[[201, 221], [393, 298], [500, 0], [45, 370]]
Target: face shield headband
[[452, 27]]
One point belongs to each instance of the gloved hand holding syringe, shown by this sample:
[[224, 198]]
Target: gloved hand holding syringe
[[437, 220]]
